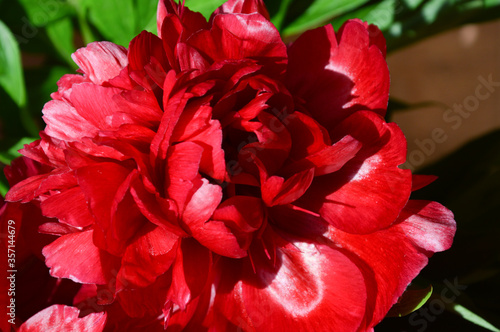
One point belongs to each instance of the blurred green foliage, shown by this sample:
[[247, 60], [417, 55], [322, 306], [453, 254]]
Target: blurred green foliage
[[37, 38]]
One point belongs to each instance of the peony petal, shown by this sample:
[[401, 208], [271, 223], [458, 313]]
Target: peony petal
[[202, 204], [74, 256], [160, 211], [148, 256], [370, 190], [95, 104], [57, 228], [308, 136], [34, 186], [101, 61], [243, 213], [190, 272], [190, 59], [21, 168], [140, 106], [328, 160], [240, 36], [212, 161], [217, 234], [59, 317], [376, 36], [305, 284], [192, 119], [65, 84], [24, 190], [69, 207], [182, 170], [143, 302], [272, 149], [243, 7], [99, 183], [397, 254], [64, 122], [337, 76], [173, 107], [217, 237], [191, 21], [105, 186], [144, 47], [430, 225], [276, 191]]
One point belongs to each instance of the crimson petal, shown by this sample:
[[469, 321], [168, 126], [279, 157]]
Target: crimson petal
[[69, 206], [101, 61], [59, 317], [275, 190], [190, 272], [369, 191], [240, 36], [147, 257], [74, 256], [422, 229], [338, 75], [306, 284], [243, 7]]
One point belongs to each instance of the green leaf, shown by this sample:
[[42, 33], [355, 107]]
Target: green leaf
[[280, 16], [114, 19], [206, 7], [431, 9], [61, 34], [146, 15], [44, 12], [4, 185], [319, 12], [491, 3], [381, 14], [119, 20], [12, 153], [11, 73], [410, 301], [412, 4], [472, 317]]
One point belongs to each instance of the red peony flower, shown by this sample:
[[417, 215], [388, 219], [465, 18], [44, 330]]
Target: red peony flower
[[212, 177]]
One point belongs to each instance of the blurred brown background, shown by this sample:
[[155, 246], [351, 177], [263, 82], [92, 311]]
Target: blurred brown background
[[445, 69]]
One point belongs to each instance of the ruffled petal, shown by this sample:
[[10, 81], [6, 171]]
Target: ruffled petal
[[305, 284], [183, 164], [74, 256], [338, 75], [243, 7], [370, 190], [101, 61], [190, 273], [240, 36], [65, 123], [202, 204], [69, 207], [59, 317], [275, 190], [95, 104], [212, 161], [116, 217], [148, 256], [396, 255]]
